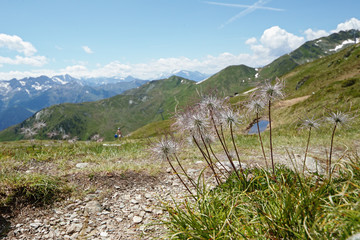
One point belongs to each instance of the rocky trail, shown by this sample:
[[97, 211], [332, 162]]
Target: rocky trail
[[122, 207]]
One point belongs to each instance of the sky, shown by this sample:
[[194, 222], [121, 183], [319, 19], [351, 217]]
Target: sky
[[146, 38]]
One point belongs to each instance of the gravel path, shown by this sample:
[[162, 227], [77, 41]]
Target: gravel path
[[129, 209]]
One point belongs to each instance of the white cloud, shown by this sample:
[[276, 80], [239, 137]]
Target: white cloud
[[273, 43], [353, 23], [36, 61], [16, 43], [251, 41], [87, 49], [311, 34]]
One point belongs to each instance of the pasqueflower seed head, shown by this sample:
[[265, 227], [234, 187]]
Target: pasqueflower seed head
[[310, 123], [256, 105], [272, 92], [28, 132], [338, 118], [211, 103], [230, 117], [198, 122], [39, 125], [164, 148]]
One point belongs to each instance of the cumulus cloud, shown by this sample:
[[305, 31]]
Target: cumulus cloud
[[36, 61], [87, 49], [16, 43], [274, 42], [251, 41], [353, 23], [311, 34]]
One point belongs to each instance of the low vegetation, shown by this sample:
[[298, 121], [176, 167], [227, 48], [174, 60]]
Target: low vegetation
[[278, 202], [257, 186]]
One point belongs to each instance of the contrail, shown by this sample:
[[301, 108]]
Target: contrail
[[249, 9], [244, 6]]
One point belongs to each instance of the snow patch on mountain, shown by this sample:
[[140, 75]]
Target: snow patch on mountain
[[346, 42], [5, 88], [59, 80]]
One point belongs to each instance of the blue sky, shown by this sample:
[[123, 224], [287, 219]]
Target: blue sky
[[143, 38]]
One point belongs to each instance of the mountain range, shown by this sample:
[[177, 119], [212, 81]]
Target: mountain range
[[156, 99], [19, 99]]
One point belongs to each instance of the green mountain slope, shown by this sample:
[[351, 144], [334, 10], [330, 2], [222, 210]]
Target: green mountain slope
[[328, 84], [129, 111], [307, 52], [156, 99], [233, 79]]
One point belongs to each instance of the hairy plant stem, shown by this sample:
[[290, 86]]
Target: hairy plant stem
[[223, 138], [218, 180], [261, 142], [331, 148], [187, 188], [271, 148], [212, 151], [224, 147], [206, 159], [306, 151], [236, 151], [188, 177]]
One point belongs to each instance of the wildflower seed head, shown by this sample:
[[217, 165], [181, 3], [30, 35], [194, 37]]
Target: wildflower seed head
[[52, 134], [182, 120], [39, 125], [65, 136], [230, 117], [200, 138], [198, 122], [28, 132], [310, 123], [256, 105], [338, 118], [164, 148], [272, 92], [211, 103]]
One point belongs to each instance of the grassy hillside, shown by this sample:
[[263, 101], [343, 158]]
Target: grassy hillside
[[129, 111], [328, 84], [233, 79], [308, 52], [159, 99]]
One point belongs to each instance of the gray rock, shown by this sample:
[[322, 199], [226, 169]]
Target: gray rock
[[229, 167], [74, 228], [137, 219], [35, 225], [82, 165], [93, 207]]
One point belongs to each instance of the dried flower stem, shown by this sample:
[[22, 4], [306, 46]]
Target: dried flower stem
[[188, 177], [261, 143], [331, 148], [208, 161], [225, 148], [306, 151], [182, 181], [271, 148], [212, 151]]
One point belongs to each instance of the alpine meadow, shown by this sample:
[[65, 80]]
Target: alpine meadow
[[186, 166]]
